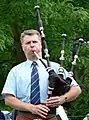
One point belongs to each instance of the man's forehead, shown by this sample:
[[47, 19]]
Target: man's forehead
[[32, 37]]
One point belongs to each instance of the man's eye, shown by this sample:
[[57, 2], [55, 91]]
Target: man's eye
[[34, 41], [28, 42]]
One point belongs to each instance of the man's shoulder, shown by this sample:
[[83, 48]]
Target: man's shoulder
[[18, 66], [85, 118]]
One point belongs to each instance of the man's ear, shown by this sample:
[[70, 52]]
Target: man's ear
[[22, 47]]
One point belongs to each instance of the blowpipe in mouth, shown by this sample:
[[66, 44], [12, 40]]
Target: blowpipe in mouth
[[37, 55]]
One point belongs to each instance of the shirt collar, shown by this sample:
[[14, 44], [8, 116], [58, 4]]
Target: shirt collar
[[29, 62]]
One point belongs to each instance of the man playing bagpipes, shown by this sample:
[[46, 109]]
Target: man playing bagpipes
[[27, 84]]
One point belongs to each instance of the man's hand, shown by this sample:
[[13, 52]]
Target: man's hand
[[55, 101], [41, 110]]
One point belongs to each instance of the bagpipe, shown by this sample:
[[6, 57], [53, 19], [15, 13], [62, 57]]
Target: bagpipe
[[57, 84]]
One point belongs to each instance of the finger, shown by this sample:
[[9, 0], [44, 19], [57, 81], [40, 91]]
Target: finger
[[53, 101], [43, 108], [42, 113], [52, 98]]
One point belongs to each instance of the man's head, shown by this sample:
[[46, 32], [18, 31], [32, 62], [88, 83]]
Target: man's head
[[31, 42], [87, 116]]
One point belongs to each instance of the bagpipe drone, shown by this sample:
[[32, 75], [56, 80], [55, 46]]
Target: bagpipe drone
[[57, 84]]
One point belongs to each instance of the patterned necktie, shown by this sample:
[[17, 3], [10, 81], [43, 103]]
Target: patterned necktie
[[35, 89]]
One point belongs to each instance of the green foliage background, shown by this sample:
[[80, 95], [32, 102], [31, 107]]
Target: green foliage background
[[58, 16]]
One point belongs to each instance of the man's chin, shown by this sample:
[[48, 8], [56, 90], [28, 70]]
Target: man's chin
[[32, 56]]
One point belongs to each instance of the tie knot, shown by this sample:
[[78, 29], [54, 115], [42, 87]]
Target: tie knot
[[34, 63]]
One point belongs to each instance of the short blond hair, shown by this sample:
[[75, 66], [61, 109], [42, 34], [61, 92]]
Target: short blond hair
[[30, 33]]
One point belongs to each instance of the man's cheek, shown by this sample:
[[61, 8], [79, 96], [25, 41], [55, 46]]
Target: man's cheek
[[38, 50]]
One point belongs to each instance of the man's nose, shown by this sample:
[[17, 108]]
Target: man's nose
[[32, 44]]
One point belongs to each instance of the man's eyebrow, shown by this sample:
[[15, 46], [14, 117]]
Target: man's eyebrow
[[28, 42], [31, 41]]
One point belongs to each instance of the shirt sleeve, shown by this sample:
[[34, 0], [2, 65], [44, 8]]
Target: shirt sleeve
[[10, 84], [73, 83]]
